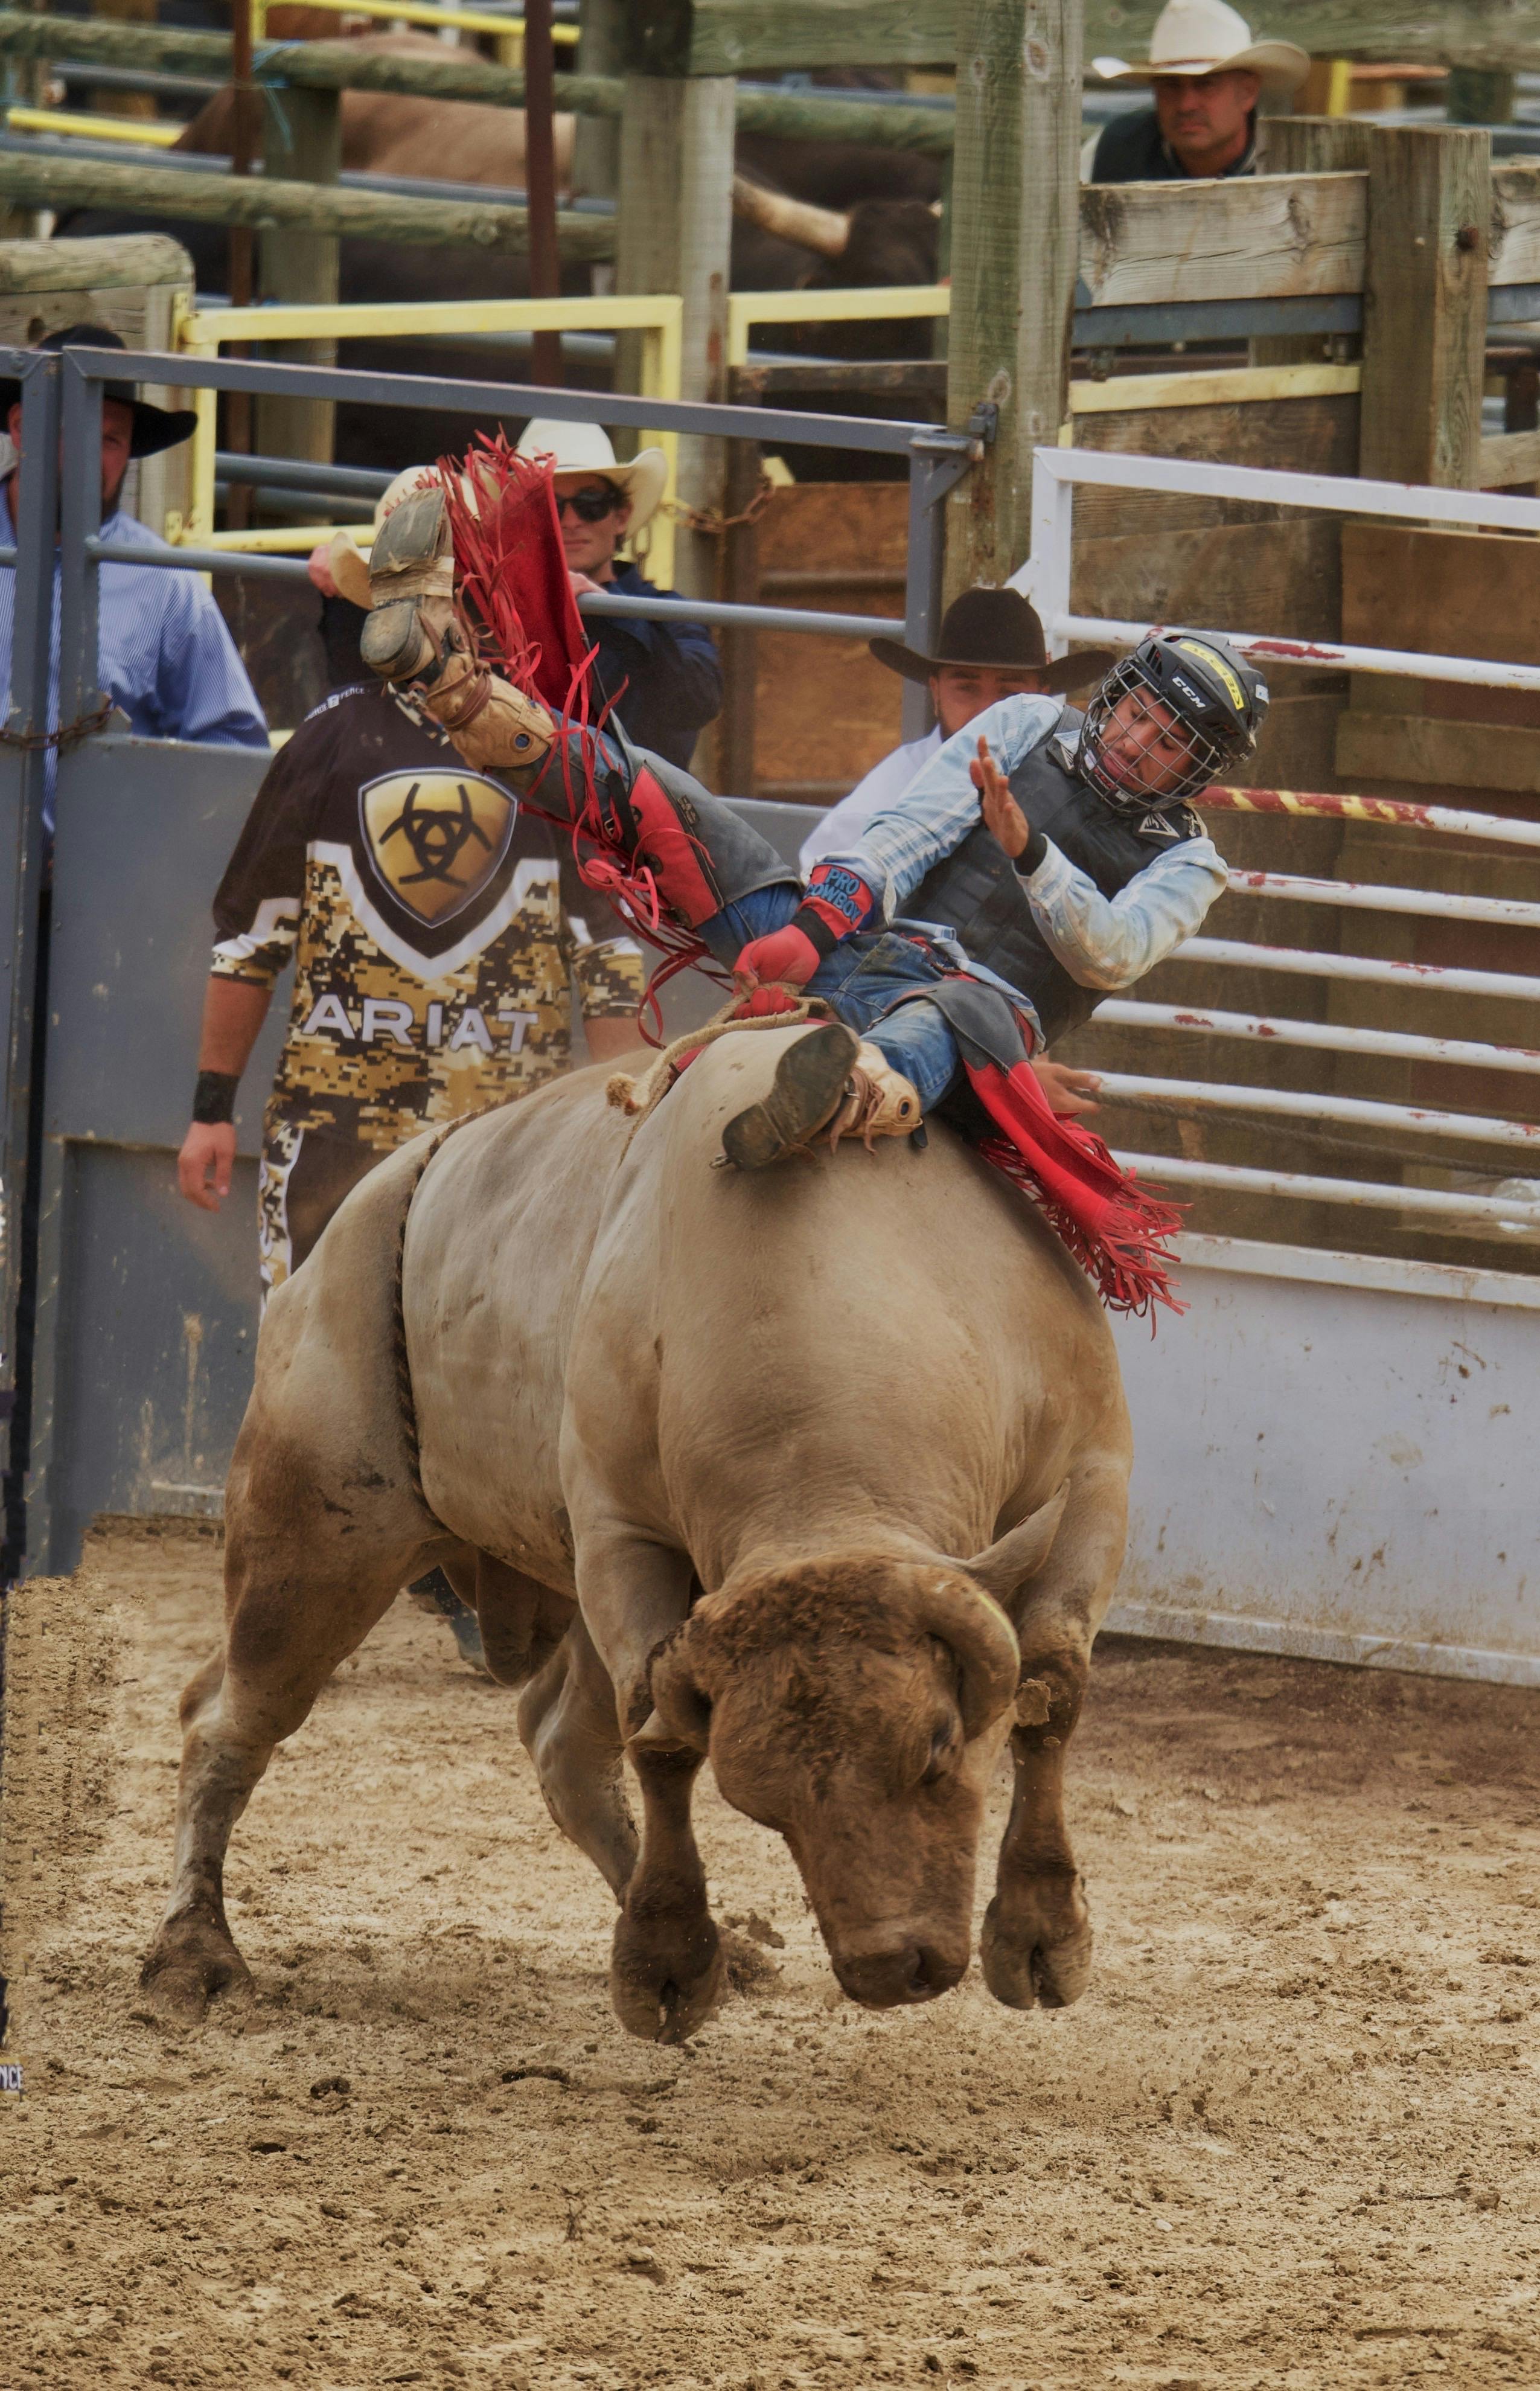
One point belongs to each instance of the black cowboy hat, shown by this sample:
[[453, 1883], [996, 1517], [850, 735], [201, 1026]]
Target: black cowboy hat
[[154, 427], [999, 628]]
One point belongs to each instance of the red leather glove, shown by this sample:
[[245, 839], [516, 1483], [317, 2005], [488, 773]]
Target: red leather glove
[[764, 1000], [785, 954]]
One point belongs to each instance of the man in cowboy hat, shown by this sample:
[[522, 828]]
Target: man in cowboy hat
[[165, 656], [990, 646], [664, 679], [1207, 75]]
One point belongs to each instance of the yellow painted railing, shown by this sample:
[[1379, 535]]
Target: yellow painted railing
[[747, 308], [416, 12], [1118, 395], [93, 128], [657, 318]]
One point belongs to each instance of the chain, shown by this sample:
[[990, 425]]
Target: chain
[[84, 726], [706, 519]]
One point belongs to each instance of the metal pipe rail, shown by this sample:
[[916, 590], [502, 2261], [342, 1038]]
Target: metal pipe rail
[[937, 460], [1313, 655], [1370, 896], [1045, 577], [1382, 971], [1135, 1012], [1363, 1112], [1510, 1214], [1325, 805], [251, 561]]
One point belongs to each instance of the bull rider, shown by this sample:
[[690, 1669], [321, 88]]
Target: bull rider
[[1039, 860]]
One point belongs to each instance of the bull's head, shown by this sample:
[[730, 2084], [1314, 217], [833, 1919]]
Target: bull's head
[[858, 1704]]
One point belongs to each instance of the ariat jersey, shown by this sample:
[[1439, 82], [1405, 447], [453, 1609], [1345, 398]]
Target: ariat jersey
[[434, 925]]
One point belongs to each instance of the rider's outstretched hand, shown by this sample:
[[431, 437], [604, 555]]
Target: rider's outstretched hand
[[1002, 814], [1067, 1091]]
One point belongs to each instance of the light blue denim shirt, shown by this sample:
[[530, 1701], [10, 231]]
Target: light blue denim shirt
[[1106, 942], [166, 657]]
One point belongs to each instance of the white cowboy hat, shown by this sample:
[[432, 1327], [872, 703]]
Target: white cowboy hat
[[585, 448], [349, 564], [1200, 37]]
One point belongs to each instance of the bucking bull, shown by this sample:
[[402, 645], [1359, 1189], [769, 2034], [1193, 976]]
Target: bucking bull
[[818, 1473]]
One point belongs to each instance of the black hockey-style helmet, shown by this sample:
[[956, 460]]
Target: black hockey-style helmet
[[1216, 698]]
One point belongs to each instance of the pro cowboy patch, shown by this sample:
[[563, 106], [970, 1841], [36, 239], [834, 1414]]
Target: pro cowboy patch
[[435, 838]]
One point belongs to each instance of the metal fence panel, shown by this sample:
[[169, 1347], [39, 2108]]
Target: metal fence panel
[[1334, 1457], [147, 1308]]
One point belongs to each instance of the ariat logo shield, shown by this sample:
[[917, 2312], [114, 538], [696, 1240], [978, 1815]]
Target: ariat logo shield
[[435, 838]]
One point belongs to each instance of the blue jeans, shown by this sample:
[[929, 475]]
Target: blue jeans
[[867, 975]]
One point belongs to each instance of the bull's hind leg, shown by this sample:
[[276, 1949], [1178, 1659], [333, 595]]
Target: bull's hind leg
[[293, 1617], [1037, 1939], [323, 1527]]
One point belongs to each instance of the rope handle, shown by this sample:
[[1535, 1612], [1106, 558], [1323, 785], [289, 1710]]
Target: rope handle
[[639, 1097]]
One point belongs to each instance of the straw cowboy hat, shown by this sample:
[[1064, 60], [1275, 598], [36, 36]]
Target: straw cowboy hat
[[585, 448], [996, 629], [1200, 37], [349, 564]]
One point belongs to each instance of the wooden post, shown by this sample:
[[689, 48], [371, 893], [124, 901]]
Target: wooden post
[[1424, 303], [1014, 256], [674, 232], [545, 264], [595, 139], [106, 99], [302, 142]]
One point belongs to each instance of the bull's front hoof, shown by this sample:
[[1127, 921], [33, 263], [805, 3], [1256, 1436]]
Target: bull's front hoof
[[189, 1964], [665, 1982], [1036, 1949]]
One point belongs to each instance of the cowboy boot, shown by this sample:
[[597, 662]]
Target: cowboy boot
[[413, 640], [879, 1102], [826, 1079], [411, 583]]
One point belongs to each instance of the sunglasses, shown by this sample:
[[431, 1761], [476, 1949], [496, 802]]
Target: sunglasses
[[589, 506]]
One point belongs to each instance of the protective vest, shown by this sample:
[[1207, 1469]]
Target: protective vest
[[977, 894]]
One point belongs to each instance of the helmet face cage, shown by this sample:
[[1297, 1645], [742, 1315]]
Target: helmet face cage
[[1207, 753]]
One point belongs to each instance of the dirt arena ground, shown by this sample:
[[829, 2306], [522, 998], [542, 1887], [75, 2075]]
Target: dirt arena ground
[[1291, 2138]]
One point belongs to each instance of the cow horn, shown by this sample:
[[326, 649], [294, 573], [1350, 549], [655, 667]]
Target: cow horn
[[983, 1642], [824, 231]]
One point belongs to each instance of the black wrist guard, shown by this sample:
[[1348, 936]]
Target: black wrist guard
[[214, 1098], [1032, 853], [816, 930]]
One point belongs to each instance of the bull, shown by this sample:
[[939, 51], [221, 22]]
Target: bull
[[820, 1474]]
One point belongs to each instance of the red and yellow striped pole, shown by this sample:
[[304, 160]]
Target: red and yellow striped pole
[[1320, 804]]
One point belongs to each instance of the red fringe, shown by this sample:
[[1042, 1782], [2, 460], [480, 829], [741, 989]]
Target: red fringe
[[1115, 1228], [508, 540], [1127, 1257]]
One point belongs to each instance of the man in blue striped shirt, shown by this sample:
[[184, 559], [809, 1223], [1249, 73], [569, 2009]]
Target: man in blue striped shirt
[[166, 657]]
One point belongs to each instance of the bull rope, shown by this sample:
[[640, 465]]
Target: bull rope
[[639, 1097]]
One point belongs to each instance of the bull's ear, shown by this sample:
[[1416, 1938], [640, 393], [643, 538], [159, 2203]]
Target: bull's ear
[[1004, 1568], [681, 1712]]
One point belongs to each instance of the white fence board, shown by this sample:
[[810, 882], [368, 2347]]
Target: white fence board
[[1334, 1456]]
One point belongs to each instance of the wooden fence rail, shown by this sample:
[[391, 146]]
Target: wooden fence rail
[[270, 205], [458, 74]]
